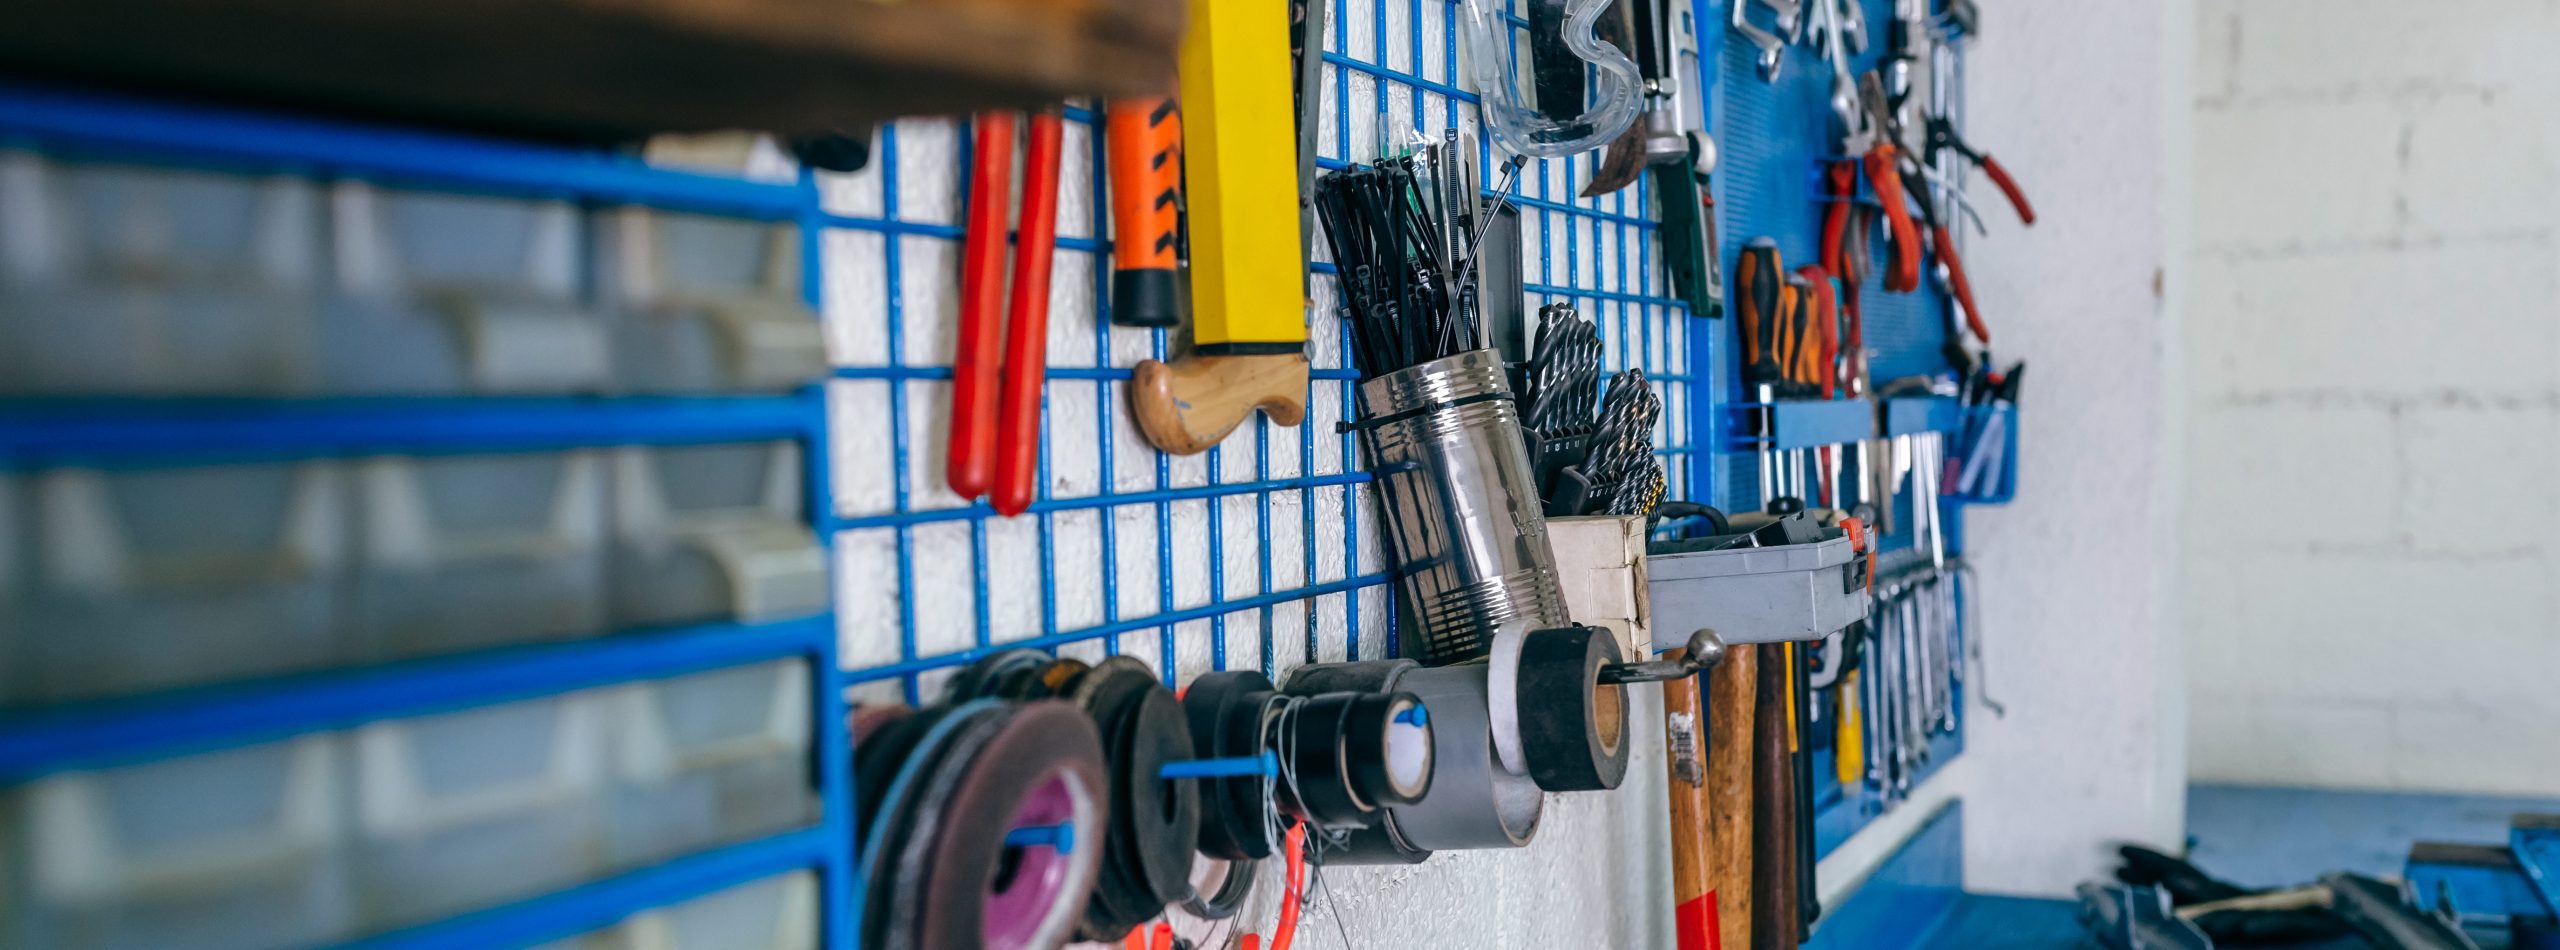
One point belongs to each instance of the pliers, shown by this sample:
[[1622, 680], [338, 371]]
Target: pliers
[[1943, 136], [1874, 142]]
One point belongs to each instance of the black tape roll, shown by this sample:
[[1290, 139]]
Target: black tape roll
[[1316, 781], [883, 755], [1219, 894], [959, 885], [1225, 711], [984, 679], [1155, 824], [1573, 729], [1387, 745], [1380, 844], [1366, 676]]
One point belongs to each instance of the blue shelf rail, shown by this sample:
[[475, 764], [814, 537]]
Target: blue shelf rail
[[129, 433]]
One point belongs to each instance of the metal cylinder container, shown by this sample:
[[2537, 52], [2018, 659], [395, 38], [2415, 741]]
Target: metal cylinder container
[[1464, 522]]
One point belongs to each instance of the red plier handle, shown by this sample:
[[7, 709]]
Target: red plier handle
[[1884, 171], [970, 462], [1840, 185], [1026, 350], [2009, 186], [1957, 283]]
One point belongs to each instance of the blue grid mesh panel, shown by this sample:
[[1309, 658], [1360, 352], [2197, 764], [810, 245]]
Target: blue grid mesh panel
[[1263, 552]]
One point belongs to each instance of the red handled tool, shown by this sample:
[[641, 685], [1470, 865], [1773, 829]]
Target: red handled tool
[[1026, 349], [1883, 163], [1942, 136], [971, 462]]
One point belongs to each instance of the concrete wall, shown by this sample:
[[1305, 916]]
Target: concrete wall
[[2071, 97], [2373, 395]]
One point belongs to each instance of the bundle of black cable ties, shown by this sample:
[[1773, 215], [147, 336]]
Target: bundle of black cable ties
[[1406, 252]]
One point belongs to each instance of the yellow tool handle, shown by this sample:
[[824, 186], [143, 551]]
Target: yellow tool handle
[[1247, 274]]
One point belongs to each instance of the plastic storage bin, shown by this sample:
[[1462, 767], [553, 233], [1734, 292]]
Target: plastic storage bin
[[464, 810], [234, 850], [777, 913], [440, 294], [711, 759], [713, 532], [469, 551], [132, 280], [705, 304], [143, 580]]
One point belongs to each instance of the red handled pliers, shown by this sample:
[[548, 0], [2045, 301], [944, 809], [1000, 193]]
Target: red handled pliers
[[1943, 136], [995, 435]]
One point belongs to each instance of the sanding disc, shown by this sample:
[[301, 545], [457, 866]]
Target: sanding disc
[[1042, 767]]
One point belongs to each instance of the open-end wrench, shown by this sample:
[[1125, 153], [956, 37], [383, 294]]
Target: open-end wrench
[[1773, 50], [1790, 17]]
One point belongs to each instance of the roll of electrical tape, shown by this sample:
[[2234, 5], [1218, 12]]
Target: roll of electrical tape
[[1226, 712], [866, 721], [1315, 782], [1473, 803], [958, 885], [986, 679], [1388, 748], [1155, 824], [1219, 887], [1502, 696], [1059, 677], [1576, 731], [1381, 844], [1366, 676]]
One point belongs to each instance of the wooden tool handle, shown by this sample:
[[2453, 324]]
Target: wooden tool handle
[[1773, 885], [1693, 894], [1732, 702], [1188, 405]]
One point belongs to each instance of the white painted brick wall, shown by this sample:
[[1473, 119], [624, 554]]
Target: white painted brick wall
[[2373, 398]]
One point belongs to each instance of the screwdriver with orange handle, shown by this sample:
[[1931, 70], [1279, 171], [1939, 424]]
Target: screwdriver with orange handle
[[1143, 161], [1823, 312], [970, 462], [1760, 293]]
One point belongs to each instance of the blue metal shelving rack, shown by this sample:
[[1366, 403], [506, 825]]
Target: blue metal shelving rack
[[149, 433]]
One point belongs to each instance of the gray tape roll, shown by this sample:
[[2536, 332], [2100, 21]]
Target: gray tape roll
[[1376, 845], [1473, 804]]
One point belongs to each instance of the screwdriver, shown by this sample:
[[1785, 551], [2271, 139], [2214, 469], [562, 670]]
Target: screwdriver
[[1760, 293]]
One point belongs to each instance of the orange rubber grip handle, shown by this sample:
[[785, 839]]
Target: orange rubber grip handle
[[1902, 275], [1840, 184], [1958, 284], [1826, 324], [2009, 187], [1143, 159], [970, 462], [1026, 343]]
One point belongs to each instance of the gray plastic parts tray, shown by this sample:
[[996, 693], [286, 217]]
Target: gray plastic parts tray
[[1756, 595]]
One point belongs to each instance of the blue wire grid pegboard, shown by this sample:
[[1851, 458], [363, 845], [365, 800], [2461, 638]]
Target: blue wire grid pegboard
[[166, 432], [1775, 139], [1265, 550]]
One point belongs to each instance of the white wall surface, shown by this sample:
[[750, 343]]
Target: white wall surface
[[2073, 593], [2375, 395]]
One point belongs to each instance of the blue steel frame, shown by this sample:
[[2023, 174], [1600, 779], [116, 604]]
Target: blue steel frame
[[133, 433]]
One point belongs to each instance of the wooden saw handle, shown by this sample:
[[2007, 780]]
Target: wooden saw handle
[[1188, 405]]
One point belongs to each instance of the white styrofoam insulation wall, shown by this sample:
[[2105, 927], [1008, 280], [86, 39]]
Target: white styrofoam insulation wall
[[1592, 877], [2374, 347], [2073, 592]]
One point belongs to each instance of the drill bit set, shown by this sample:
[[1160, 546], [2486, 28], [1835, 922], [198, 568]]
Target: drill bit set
[[1594, 455]]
